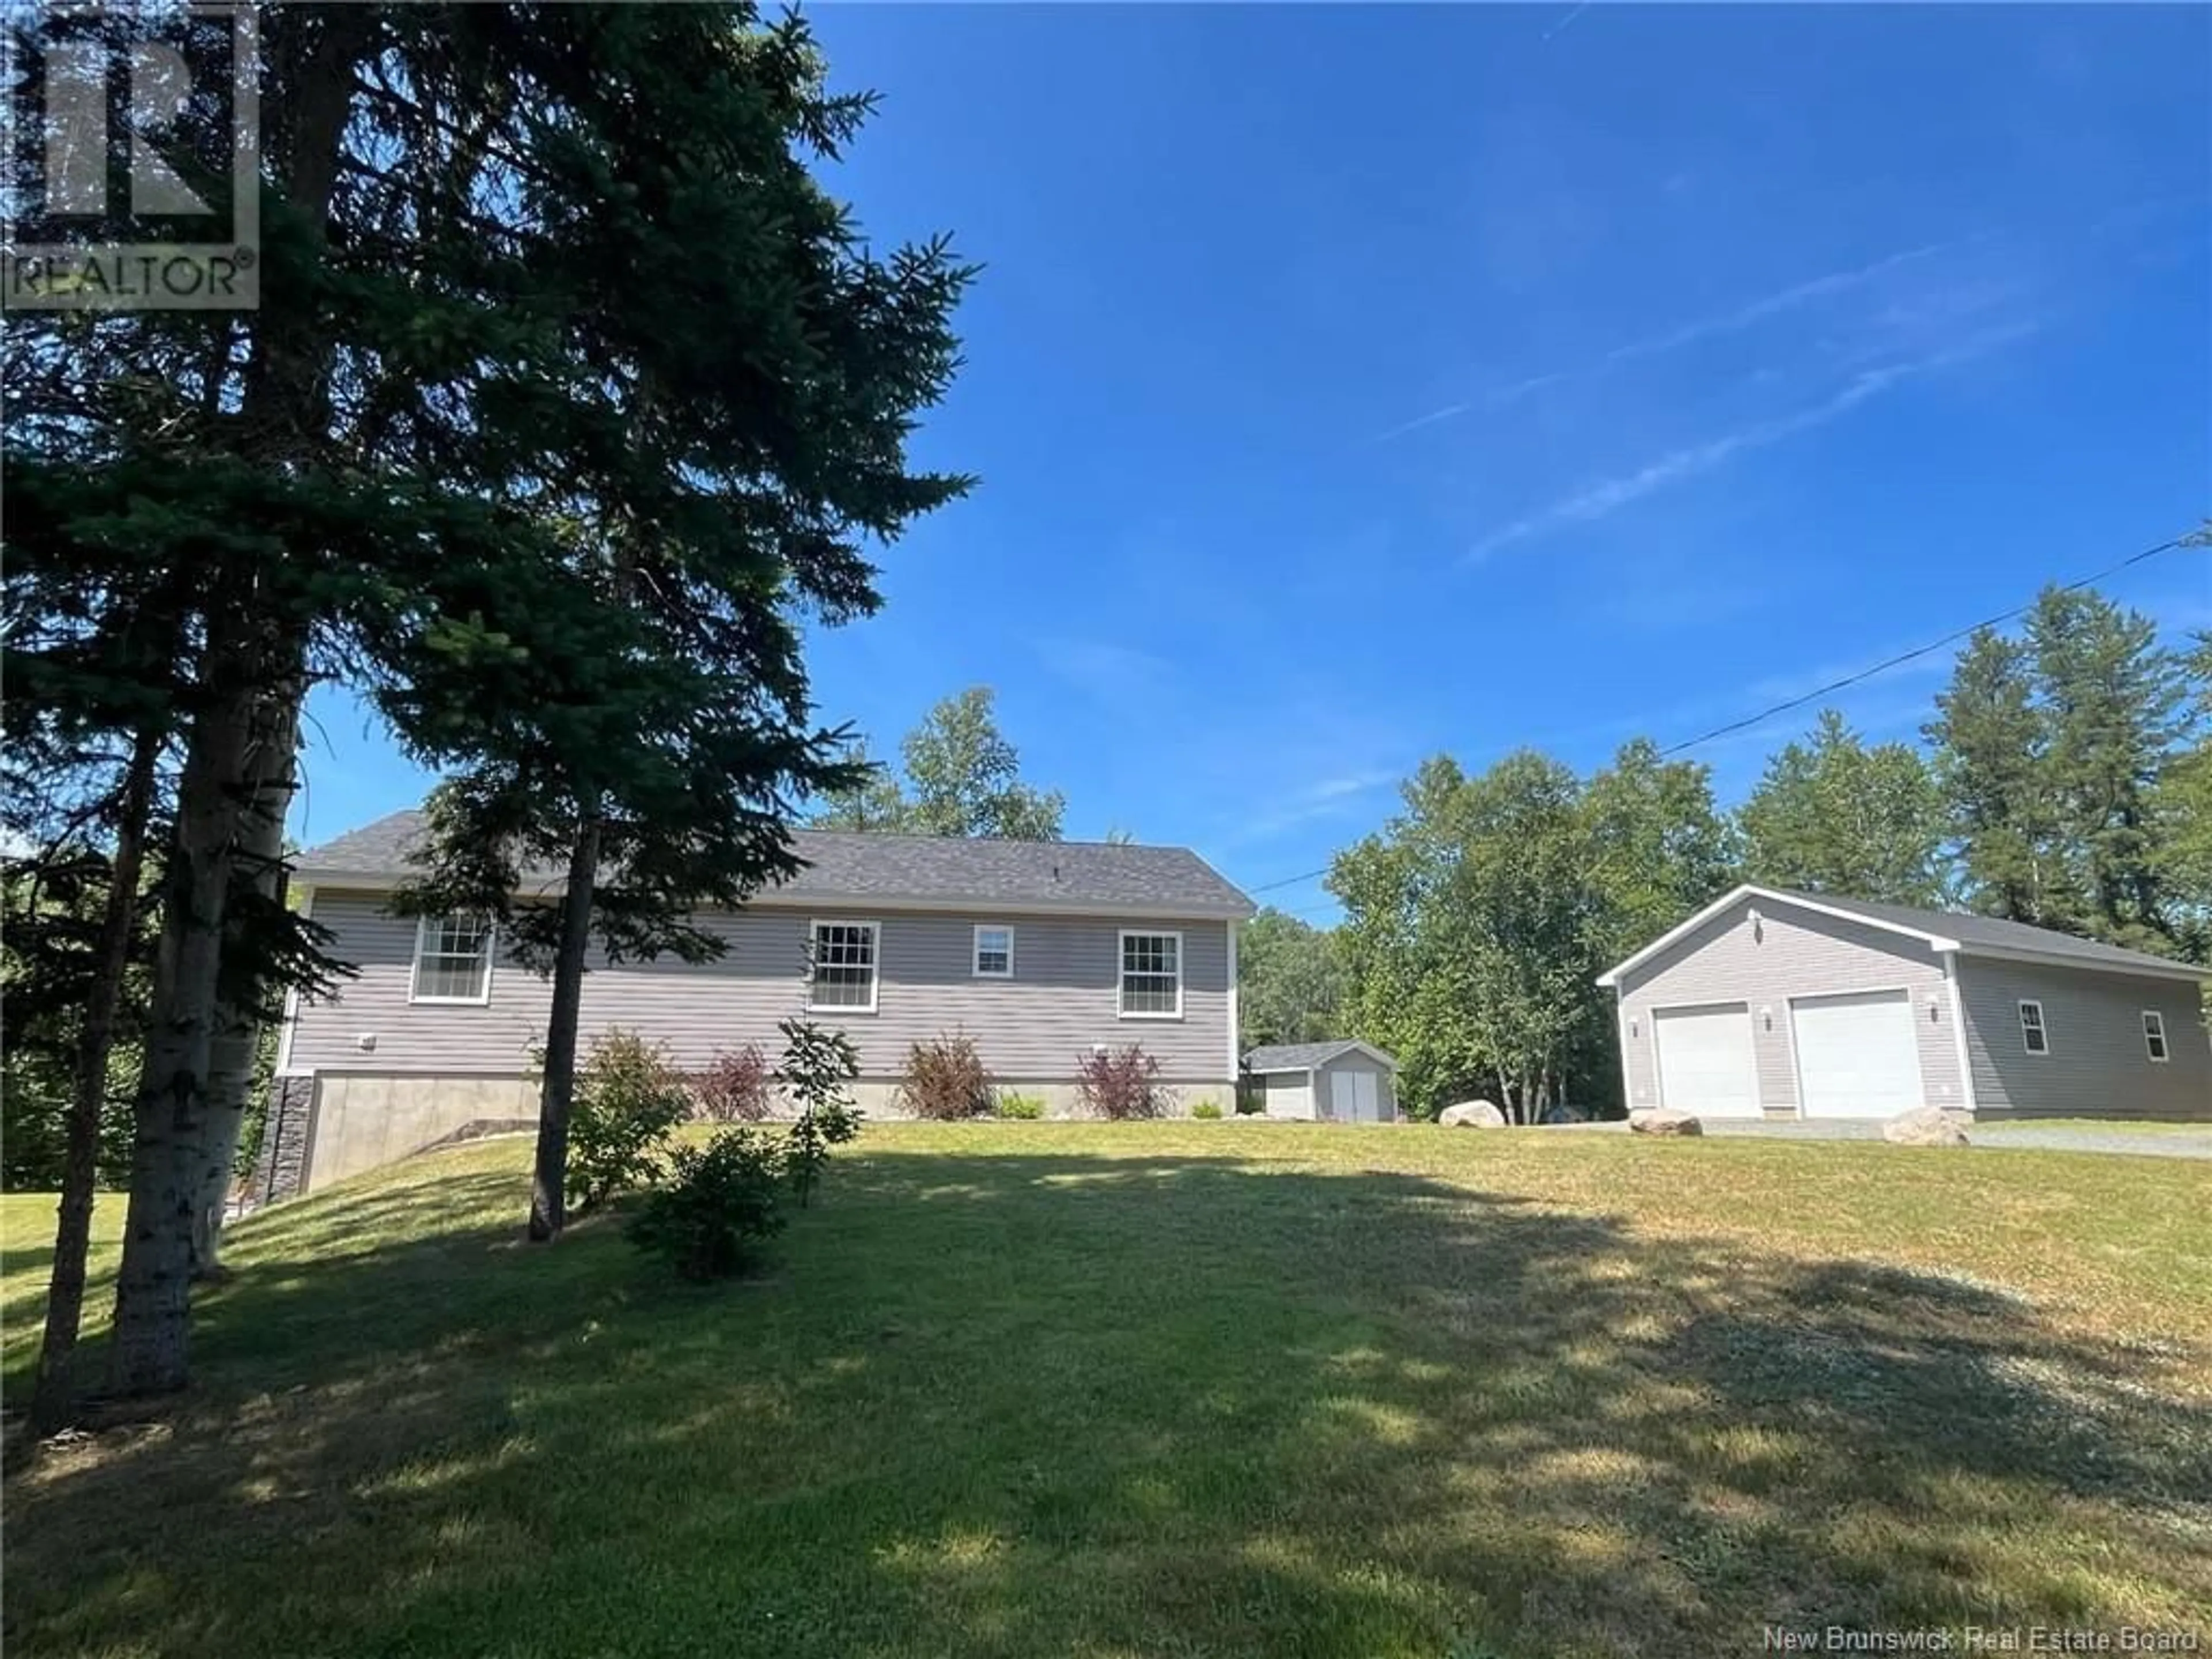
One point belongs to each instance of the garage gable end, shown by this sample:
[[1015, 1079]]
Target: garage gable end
[[1854, 980]]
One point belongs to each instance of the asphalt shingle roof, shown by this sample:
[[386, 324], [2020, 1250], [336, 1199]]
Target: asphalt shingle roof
[[846, 866], [1301, 1056], [1990, 933]]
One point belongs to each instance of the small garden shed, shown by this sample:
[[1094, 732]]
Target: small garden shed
[[1345, 1081]]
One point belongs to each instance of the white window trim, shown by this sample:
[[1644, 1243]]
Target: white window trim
[[1122, 974], [2042, 1028], [414, 967], [875, 965], [2153, 1022], [292, 999], [975, 951]]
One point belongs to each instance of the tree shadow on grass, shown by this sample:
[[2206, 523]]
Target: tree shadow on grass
[[1019, 1404]]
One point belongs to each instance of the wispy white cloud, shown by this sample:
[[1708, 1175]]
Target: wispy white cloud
[[1105, 670], [1568, 19], [1747, 315], [1337, 796], [1610, 495], [1759, 310], [1449, 412], [1498, 398]]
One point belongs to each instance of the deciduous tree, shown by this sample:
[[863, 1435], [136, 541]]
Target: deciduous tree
[[1290, 981]]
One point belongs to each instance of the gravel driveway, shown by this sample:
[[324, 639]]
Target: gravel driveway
[[2182, 1143]]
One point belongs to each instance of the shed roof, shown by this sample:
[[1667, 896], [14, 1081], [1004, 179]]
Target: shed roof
[[916, 869], [1941, 931], [1305, 1056]]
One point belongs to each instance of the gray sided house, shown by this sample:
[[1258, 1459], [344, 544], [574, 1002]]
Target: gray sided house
[[1346, 1082], [1041, 951], [1780, 1004]]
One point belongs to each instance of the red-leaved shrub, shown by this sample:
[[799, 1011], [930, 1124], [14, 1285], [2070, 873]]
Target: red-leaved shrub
[[946, 1081], [736, 1087], [1119, 1083]]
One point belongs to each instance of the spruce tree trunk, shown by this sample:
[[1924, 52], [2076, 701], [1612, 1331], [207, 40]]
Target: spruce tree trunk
[[285, 408], [548, 1181], [53, 1396], [237, 1040], [151, 1290]]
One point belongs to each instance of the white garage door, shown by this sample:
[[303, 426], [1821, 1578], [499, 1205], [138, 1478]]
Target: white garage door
[[1705, 1061], [1353, 1097], [1856, 1056]]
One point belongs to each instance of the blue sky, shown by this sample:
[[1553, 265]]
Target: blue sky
[[1348, 385]]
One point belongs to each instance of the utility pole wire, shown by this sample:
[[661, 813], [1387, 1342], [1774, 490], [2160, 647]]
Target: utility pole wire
[[2200, 538], [2195, 537]]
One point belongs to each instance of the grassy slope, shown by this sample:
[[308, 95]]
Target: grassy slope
[[1093, 1390]]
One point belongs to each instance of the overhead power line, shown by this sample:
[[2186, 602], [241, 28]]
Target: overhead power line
[[1287, 881], [1918, 652], [2194, 539]]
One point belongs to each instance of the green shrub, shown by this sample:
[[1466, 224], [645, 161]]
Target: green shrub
[[724, 1203], [1119, 1083], [818, 1071], [735, 1088], [628, 1100], [946, 1081], [1210, 1110], [1025, 1107]]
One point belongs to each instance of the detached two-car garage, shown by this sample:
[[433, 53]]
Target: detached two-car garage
[[1775, 1005], [1854, 1055]]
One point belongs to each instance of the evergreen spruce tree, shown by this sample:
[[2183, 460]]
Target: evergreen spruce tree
[[1992, 761], [2112, 703]]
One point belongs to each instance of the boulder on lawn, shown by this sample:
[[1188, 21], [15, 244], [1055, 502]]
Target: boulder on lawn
[[1471, 1114], [1664, 1123], [1926, 1126]]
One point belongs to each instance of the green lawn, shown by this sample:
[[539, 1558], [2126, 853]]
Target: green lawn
[[1113, 1391]]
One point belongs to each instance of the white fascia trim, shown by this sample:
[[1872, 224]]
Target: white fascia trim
[[1959, 1030], [1236, 1052], [361, 882], [2182, 970], [291, 1021], [1842, 913]]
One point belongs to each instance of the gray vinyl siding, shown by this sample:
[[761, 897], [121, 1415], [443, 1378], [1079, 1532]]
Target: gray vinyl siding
[[1287, 1094], [2099, 1064], [1324, 1099], [1796, 953], [1062, 999]]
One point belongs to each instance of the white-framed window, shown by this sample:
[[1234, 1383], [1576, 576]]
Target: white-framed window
[[1151, 975], [2155, 1035], [995, 951], [2033, 1036], [453, 960], [842, 966]]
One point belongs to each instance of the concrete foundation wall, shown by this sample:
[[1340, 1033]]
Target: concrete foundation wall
[[363, 1120], [340, 1123]]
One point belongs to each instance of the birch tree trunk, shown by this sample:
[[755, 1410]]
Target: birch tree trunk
[[53, 1395]]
